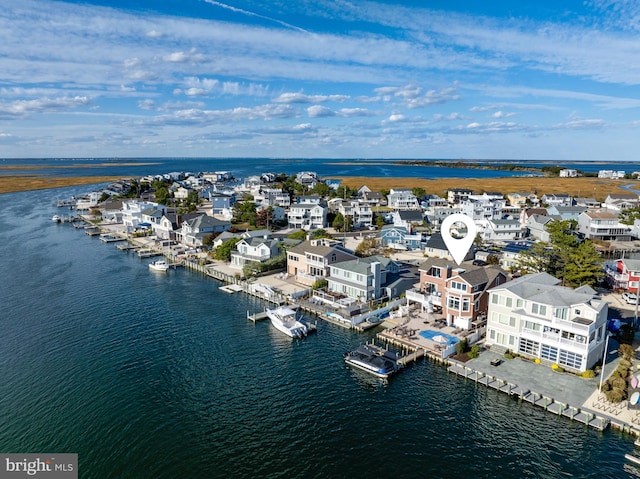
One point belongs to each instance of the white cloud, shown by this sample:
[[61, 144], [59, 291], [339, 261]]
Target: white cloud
[[42, 105], [317, 111], [192, 56]]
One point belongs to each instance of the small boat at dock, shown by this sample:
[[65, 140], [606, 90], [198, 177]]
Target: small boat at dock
[[159, 265], [56, 219], [371, 359], [284, 320]]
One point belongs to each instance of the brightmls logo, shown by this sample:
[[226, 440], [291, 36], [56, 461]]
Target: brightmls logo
[[47, 466]]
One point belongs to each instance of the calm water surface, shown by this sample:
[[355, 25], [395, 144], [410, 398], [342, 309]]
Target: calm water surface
[[162, 376]]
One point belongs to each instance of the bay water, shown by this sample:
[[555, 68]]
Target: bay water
[[149, 375]]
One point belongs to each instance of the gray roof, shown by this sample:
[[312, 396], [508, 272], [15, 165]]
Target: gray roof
[[436, 242], [363, 265], [544, 288], [631, 264], [318, 249], [411, 215]]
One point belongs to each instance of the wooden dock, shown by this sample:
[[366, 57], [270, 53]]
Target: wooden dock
[[148, 253], [109, 238], [524, 394]]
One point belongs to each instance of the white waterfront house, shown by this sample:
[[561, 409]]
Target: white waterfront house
[[536, 317], [309, 214], [132, 215], [402, 199]]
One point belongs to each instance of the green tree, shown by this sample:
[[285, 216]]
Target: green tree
[[321, 189], [298, 235], [379, 221], [565, 256], [584, 265], [245, 212], [320, 233], [338, 222], [629, 215], [418, 192], [538, 258], [223, 252]]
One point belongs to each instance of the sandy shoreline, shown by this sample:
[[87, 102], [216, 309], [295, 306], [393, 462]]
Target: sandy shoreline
[[579, 187]]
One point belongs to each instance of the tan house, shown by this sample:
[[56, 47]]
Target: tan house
[[461, 292], [309, 261]]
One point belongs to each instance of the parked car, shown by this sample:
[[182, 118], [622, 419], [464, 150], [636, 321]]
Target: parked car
[[479, 262], [630, 298]]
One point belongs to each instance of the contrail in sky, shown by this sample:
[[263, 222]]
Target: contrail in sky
[[246, 12]]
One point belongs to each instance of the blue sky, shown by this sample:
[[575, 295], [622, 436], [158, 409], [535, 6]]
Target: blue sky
[[556, 80]]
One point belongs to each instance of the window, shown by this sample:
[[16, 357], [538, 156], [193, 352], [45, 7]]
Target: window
[[509, 302], [495, 299], [560, 313], [570, 360], [435, 272], [519, 303], [458, 286], [531, 325], [539, 309], [503, 319], [453, 303], [465, 304]]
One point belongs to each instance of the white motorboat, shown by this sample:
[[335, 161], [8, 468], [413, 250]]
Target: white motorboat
[[56, 219], [159, 265], [284, 319]]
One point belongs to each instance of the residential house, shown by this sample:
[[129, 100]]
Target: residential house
[[373, 198], [221, 202], [521, 199], [361, 279], [510, 254], [111, 210], [182, 192], [360, 212], [589, 203], [194, 230], [623, 274], [536, 227], [254, 250], [392, 236], [272, 197], [603, 225], [402, 199], [132, 213], [559, 199], [436, 248], [217, 176], [408, 219], [461, 292], [568, 173], [502, 230], [457, 195], [481, 208], [536, 317], [621, 201], [564, 213], [166, 228], [309, 214], [309, 261], [309, 179], [611, 174]]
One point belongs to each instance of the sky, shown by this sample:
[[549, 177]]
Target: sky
[[451, 79]]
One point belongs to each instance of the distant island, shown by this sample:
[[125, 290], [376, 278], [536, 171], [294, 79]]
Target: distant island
[[544, 170]]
